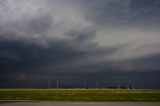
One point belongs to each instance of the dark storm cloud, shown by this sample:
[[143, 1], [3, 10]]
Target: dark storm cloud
[[147, 12], [123, 12], [34, 37], [48, 35], [18, 55], [144, 4], [57, 39]]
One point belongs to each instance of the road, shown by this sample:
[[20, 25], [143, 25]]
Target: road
[[33, 103]]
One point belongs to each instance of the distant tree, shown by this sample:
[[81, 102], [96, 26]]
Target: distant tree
[[130, 87]]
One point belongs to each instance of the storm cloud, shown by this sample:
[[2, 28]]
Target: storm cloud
[[69, 39]]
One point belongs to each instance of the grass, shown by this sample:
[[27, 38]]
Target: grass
[[139, 95]]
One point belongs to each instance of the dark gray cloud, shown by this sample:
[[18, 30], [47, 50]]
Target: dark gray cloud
[[144, 4], [72, 41], [18, 55], [123, 12]]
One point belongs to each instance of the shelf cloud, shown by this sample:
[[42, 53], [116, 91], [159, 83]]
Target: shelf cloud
[[55, 38]]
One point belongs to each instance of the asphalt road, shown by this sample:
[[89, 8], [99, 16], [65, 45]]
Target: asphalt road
[[15, 103]]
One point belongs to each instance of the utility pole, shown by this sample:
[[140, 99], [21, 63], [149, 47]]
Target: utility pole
[[49, 84], [97, 85], [57, 84], [85, 83]]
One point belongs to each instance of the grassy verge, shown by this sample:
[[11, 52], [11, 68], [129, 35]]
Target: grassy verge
[[80, 95]]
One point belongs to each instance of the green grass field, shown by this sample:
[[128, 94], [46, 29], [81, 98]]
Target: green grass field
[[138, 95]]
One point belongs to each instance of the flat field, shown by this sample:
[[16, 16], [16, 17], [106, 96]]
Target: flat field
[[121, 95]]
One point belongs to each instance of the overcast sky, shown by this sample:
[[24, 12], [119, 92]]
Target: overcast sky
[[116, 42]]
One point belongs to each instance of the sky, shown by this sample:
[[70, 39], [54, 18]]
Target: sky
[[112, 42]]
